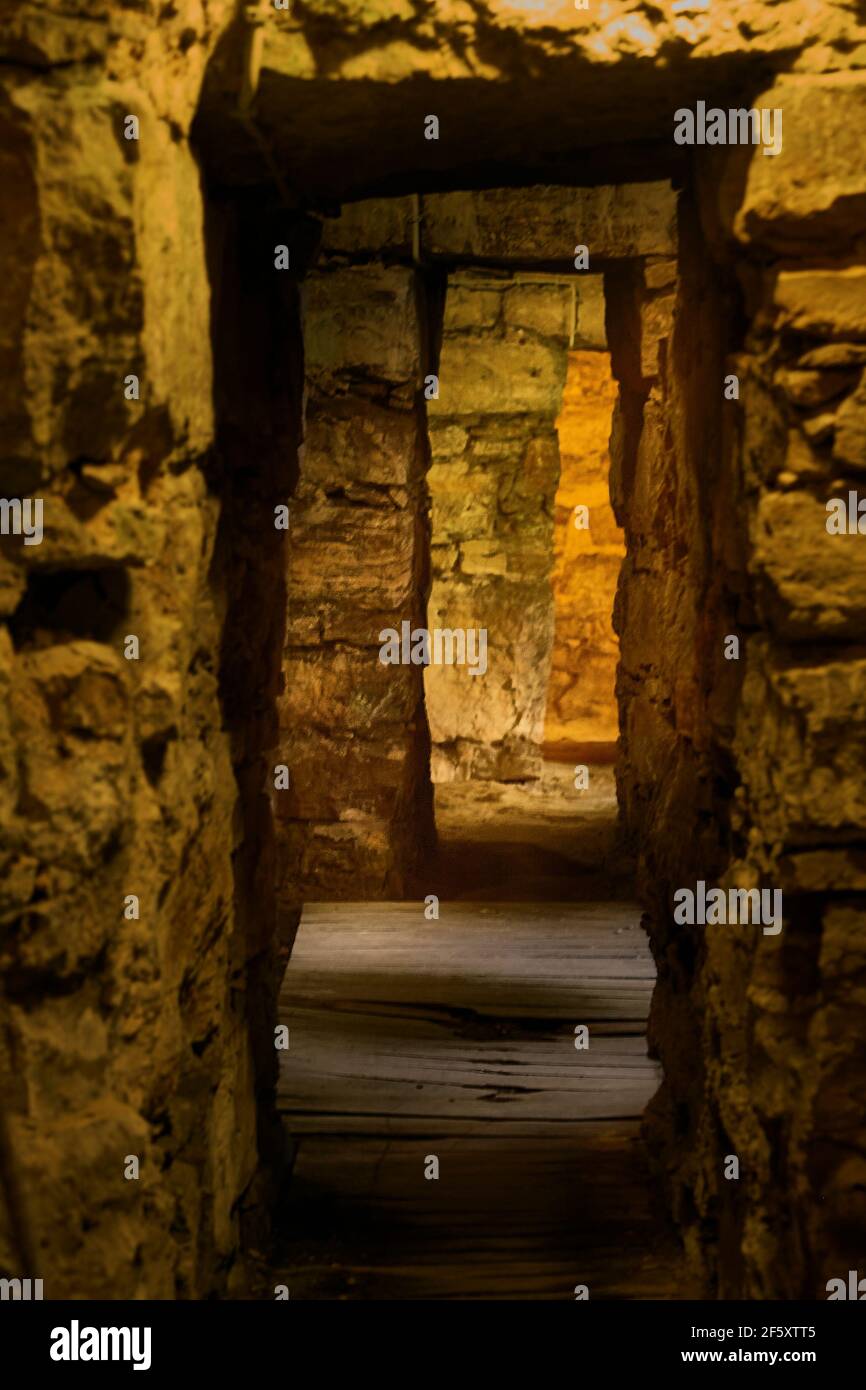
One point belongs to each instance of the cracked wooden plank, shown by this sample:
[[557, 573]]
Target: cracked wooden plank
[[455, 1039]]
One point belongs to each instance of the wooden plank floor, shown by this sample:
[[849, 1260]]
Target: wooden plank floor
[[455, 1038]]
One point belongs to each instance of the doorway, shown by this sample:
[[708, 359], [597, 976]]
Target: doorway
[[472, 1000]]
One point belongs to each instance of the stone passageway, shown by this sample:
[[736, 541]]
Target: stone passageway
[[454, 1040], [467, 1068], [303, 308]]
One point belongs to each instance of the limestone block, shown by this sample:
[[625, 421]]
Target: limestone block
[[660, 272], [650, 598], [813, 193], [352, 438], [656, 321], [548, 309], [347, 688], [809, 724], [351, 571], [508, 699], [809, 389], [343, 778], [505, 376], [335, 860], [447, 441], [373, 225], [443, 559], [843, 954], [472, 303], [515, 759], [849, 440], [360, 321], [69, 709], [540, 224], [483, 556], [498, 440], [820, 870], [801, 461], [816, 582], [826, 303], [833, 355], [657, 472], [463, 500]]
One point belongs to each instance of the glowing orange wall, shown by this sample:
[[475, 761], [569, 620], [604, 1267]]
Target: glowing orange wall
[[581, 705]]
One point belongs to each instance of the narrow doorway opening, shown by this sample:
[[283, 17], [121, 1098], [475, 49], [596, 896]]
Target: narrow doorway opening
[[525, 557], [476, 1003]]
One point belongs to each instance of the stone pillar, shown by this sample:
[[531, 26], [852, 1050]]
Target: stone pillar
[[492, 484], [670, 481], [354, 731]]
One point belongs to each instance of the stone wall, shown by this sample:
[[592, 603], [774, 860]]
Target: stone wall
[[588, 550], [761, 758], [787, 1062], [492, 483], [125, 1030]]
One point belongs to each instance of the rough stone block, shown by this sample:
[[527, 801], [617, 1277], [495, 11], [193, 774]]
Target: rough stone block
[[351, 438], [808, 722], [447, 441], [509, 697], [361, 321], [351, 571], [815, 582], [813, 193], [849, 440], [335, 861], [373, 225], [543, 224], [346, 688], [343, 778], [656, 319], [823, 303], [463, 500], [548, 309], [472, 302], [503, 376]]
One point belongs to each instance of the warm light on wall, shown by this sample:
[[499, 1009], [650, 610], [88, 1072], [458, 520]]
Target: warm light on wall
[[581, 704]]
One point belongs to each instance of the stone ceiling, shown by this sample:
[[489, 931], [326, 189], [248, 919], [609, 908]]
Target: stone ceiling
[[526, 91]]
